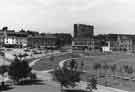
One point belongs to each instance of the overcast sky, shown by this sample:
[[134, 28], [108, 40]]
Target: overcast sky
[[108, 16]]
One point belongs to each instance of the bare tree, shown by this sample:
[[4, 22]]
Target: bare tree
[[113, 69], [97, 66]]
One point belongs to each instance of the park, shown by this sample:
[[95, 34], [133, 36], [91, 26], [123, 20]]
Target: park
[[111, 71]]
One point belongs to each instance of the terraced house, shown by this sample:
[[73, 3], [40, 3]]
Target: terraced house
[[116, 42], [121, 42], [10, 38], [42, 41]]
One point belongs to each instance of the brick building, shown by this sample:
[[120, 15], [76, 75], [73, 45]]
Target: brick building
[[42, 41], [118, 42], [10, 38], [121, 42]]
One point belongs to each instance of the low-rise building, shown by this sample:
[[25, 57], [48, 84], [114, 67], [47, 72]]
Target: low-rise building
[[85, 43], [65, 39], [42, 41], [10, 38], [121, 42], [21, 39]]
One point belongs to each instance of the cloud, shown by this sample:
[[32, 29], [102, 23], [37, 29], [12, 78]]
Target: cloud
[[60, 15]]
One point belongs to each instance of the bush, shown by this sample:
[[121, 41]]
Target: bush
[[33, 76], [19, 70], [96, 66], [3, 69], [66, 77]]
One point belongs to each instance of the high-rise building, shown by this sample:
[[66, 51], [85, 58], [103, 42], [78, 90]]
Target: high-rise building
[[83, 31], [83, 36]]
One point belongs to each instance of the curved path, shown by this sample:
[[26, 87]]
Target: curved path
[[47, 56], [45, 75], [61, 63]]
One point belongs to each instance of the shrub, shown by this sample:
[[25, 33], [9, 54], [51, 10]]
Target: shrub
[[66, 77], [19, 70]]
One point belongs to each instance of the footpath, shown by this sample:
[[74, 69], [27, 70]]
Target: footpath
[[46, 76]]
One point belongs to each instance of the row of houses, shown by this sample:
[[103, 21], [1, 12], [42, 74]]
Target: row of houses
[[10, 38], [105, 42], [120, 42]]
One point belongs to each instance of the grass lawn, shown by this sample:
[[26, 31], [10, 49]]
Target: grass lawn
[[111, 59], [52, 62]]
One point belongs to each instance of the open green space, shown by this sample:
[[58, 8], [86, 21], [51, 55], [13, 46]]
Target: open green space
[[106, 76], [50, 62], [89, 61]]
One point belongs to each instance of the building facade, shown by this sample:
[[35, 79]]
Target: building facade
[[42, 41], [83, 44], [118, 42], [121, 42], [21, 39], [83, 31], [83, 37], [65, 39], [10, 38]]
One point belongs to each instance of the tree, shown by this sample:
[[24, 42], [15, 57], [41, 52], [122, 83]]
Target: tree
[[5, 28], [66, 77], [19, 69], [82, 65], [130, 70], [126, 68], [113, 69], [3, 70], [73, 65], [89, 85], [96, 66], [52, 58], [22, 30], [106, 67], [94, 82]]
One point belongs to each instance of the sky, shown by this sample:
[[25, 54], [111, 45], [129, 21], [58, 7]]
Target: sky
[[107, 16]]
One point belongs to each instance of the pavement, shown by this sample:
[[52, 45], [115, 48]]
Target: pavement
[[100, 88], [47, 56]]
